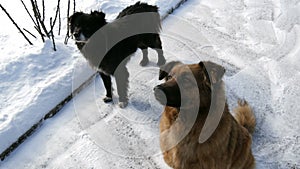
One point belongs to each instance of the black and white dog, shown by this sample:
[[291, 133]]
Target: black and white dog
[[83, 26]]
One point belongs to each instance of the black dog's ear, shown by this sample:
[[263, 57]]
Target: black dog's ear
[[214, 72], [165, 69], [74, 16], [98, 14]]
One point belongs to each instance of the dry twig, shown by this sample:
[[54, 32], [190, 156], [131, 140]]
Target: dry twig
[[15, 24]]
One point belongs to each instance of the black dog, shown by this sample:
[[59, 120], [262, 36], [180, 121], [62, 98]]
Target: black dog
[[83, 26]]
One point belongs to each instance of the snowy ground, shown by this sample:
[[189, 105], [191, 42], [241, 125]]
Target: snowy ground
[[256, 41]]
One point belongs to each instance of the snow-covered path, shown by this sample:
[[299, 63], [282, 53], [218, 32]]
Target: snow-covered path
[[258, 44]]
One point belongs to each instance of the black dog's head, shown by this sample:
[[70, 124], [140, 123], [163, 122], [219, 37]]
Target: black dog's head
[[186, 84], [83, 26]]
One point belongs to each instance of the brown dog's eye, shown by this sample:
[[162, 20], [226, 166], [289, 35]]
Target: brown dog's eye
[[168, 77]]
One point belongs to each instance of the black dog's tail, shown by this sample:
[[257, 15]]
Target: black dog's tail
[[140, 7]]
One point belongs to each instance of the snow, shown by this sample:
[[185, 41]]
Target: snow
[[256, 41], [25, 101]]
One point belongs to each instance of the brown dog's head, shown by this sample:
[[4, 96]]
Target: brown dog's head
[[83, 26], [185, 83]]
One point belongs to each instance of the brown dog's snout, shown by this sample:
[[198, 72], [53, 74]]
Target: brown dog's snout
[[168, 94], [160, 95]]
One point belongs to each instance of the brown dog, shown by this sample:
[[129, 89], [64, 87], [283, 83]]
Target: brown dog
[[193, 135]]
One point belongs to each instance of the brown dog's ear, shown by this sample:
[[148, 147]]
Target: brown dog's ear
[[165, 69], [98, 14], [214, 72]]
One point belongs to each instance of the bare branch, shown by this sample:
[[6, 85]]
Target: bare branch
[[43, 6], [28, 13], [15, 24], [37, 8], [40, 33], [74, 6], [59, 22], [52, 35], [68, 26], [37, 27], [56, 14], [38, 18], [29, 33]]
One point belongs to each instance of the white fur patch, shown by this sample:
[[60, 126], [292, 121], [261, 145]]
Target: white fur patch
[[81, 39]]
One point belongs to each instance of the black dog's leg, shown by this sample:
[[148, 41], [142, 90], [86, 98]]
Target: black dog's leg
[[122, 75], [107, 84], [158, 48], [145, 59], [161, 58]]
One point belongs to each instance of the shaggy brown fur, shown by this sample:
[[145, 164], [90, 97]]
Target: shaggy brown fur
[[229, 147], [244, 116]]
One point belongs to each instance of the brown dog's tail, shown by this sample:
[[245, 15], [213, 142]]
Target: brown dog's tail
[[245, 116]]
